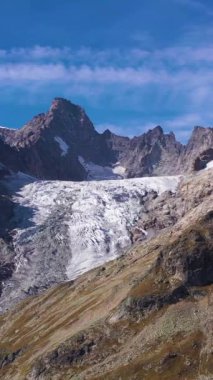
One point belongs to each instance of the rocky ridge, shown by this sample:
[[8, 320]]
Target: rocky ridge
[[63, 144], [199, 150]]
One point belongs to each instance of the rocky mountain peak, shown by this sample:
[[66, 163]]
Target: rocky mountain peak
[[199, 150], [157, 131], [63, 106], [66, 134], [107, 133], [156, 136], [62, 103], [151, 135], [199, 132], [67, 115]]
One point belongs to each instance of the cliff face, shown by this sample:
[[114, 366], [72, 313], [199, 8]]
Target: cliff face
[[153, 153], [146, 315], [63, 144], [199, 150]]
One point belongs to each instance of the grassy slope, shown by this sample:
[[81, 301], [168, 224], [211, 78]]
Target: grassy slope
[[147, 315]]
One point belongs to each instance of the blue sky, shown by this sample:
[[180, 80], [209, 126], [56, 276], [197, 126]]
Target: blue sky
[[131, 64]]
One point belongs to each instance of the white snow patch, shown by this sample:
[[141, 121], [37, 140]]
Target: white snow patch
[[209, 165], [63, 145], [102, 214], [118, 169], [144, 232], [9, 129], [98, 172]]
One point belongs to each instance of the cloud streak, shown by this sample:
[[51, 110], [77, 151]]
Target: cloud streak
[[174, 81], [177, 55], [187, 86]]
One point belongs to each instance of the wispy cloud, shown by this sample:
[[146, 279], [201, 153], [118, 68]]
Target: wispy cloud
[[174, 81], [191, 86], [176, 55], [169, 66]]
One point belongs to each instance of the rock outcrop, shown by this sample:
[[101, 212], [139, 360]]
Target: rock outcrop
[[199, 150], [153, 153]]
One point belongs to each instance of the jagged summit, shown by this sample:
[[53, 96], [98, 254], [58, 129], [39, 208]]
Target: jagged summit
[[199, 149], [61, 102], [157, 130], [63, 106], [63, 144]]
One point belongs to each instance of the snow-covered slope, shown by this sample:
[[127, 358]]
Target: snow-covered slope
[[209, 165], [98, 172], [67, 228]]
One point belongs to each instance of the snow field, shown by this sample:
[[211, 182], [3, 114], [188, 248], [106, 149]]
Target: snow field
[[98, 214]]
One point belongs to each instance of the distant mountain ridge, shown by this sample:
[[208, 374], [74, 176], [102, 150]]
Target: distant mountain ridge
[[63, 144]]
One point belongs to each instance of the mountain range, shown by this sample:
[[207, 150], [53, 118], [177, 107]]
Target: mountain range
[[63, 144], [106, 252]]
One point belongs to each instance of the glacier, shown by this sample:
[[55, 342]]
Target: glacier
[[63, 229]]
